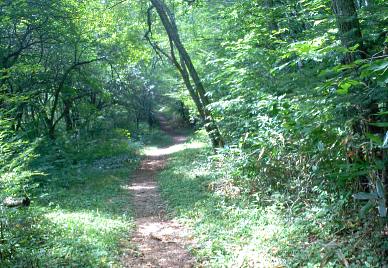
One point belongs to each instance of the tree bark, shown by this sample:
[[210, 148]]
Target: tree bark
[[349, 28], [188, 72], [51, 119], [66, 110]]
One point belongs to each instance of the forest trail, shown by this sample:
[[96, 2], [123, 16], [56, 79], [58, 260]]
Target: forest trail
[[158, 241]]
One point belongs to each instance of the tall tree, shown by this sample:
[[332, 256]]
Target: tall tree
[[349, 28], [187, 70]]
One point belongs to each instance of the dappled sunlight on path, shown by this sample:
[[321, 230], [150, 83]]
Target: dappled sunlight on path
[[157, 241], [154, 151]]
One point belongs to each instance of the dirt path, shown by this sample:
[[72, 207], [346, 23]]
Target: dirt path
[[158, 241]]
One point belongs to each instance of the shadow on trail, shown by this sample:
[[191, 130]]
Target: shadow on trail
[[158, 241]]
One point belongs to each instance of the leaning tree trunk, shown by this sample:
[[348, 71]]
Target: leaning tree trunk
[[349, 28], [187, 71]]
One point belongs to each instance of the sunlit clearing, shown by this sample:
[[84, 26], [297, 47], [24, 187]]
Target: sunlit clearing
[[250, 256], [155, 151], [149, 227], [137, 187], [85, 222]]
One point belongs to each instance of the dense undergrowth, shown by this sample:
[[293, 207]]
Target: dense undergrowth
[[80, 210], [296, 91], [317, 227]]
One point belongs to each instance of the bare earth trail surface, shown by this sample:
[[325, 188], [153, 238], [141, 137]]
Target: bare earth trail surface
[[158, 241]]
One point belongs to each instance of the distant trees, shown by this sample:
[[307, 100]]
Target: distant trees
[[57, 60]]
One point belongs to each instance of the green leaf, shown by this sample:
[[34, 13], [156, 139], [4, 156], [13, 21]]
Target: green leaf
[[344, 88], [368, 206], [379, 67], [354, 48], [382, 208], [379, 124], [385, 142], [382, 113], [375, 138], [366, 196], [380, 189]]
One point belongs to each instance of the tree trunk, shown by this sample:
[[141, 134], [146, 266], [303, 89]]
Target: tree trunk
[[187, 71], [350, 34], [51, 130], [349, 28], [67, 116]]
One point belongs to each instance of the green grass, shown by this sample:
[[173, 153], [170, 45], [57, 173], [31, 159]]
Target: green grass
[[80, 212], [235, 229], [156, 137], [80, 215]]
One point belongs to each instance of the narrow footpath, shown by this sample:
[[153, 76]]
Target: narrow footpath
[[158, 241]]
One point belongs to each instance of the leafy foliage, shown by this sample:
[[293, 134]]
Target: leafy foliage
[[275, 226], [297, 91], [79, 208]]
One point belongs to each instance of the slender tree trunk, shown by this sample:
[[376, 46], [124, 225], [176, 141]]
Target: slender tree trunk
[[188, 72], [350, 34], [50, 129], [19, 118], [349, 28], [67, 116], [51, 120]]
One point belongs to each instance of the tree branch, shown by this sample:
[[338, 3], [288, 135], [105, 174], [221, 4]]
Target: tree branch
[[116, 4], [62, 82]]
